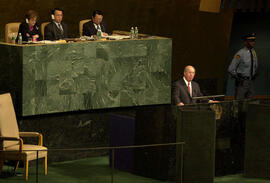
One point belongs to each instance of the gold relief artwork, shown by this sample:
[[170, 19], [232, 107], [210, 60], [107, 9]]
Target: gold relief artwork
[[218, 110]]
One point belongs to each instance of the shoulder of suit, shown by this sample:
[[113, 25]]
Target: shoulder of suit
[[177, 82], [63, 24], [24, 24], [50, 24], [87, 23], [195, 83], [181, 80], [91, 22]]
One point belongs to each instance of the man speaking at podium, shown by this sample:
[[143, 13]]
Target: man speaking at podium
[[184, 89]]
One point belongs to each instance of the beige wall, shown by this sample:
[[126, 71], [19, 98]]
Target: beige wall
[[199, 38]]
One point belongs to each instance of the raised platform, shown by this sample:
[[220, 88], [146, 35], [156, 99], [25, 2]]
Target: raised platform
[[87, 75]]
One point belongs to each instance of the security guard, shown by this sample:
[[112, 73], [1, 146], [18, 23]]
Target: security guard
[[243, 68]]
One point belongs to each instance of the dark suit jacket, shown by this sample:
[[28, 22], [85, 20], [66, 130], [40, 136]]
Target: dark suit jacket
[[89, 28], [24, 29], [52, 32], [180, 92]]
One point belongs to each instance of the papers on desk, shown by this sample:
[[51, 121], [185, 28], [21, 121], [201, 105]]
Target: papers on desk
[[46, 42], [82, 38], [87, 38], [111, 37], [117, 37], [49, 42]]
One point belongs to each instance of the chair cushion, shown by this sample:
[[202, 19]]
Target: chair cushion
[[29, 152]]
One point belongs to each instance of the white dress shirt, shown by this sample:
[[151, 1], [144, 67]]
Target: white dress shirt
[[59, 26], [96, 26], [190, 85]]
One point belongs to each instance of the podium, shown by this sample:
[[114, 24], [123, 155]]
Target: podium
[[151, 127], [196, 126], [214, 136], [257, 150]]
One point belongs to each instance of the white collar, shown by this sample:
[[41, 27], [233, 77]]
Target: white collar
[[190, 86], [57, 24], [186, 81], [97, 25], [248, 49]]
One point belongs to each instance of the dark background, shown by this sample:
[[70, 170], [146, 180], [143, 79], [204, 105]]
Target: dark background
[[259, 23]]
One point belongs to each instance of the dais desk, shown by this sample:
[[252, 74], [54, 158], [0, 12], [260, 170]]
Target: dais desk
[[53, 78]]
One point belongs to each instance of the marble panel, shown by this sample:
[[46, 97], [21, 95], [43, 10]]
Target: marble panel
[[90, 75]]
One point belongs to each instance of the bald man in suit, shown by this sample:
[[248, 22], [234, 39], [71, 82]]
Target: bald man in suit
[[185, 88]]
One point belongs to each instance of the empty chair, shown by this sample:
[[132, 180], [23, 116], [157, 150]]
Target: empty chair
[[10, 29], [12, 146]]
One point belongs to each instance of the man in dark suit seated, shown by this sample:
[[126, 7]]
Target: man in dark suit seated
[[90, 28], [185, 88], [56, 29]]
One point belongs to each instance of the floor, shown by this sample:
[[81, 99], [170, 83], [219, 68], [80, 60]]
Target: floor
[[95, 170]]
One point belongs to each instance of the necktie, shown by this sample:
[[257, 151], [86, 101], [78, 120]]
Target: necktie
[[98, 27], [251, 67], [60, 28], [189, 89]]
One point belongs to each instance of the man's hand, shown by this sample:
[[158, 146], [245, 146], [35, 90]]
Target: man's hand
[[104, 34], [180, 104], [35, 36], [213, 101]]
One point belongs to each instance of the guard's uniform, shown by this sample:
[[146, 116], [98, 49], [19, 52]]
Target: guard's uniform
[[243, 69]]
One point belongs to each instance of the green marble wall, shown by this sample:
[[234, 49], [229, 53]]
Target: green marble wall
[[92, 75], [70, 130]]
